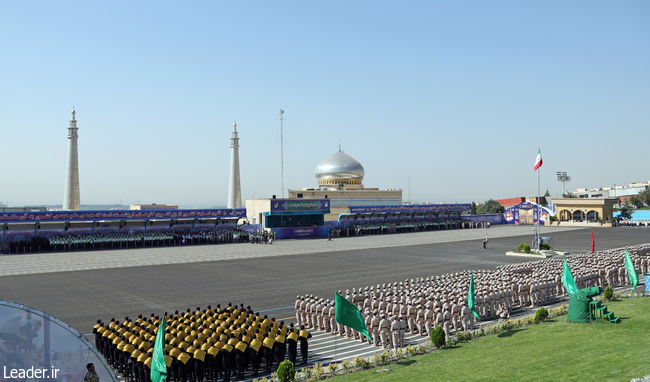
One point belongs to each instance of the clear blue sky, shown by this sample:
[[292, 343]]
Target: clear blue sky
[[455, 95]]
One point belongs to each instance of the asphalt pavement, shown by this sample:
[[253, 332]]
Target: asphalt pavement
[[269, 284]]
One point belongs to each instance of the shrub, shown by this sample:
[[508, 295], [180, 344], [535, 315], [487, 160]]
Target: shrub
[[438, 337], [361, 363], [463, 336], [545, 246], [608, 294], [346, 366], [541, 315], [384, 358], [524, 248], [286, 371], [318, 370], [332, 367]]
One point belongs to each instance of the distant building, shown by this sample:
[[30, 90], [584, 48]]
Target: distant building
[[4, 208], [340, 180], [509, 202], [621, 192], [153, 206], [591, 210]]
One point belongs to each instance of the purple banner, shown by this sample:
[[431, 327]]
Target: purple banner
[[301, 232], [411, 208], [490, 218], [301, 205], [53, 216]]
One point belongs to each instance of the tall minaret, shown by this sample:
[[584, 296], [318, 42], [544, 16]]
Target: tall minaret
[[234, 188], [71, 196]]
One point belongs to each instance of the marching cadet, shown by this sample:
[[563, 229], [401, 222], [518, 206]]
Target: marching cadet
[[296, 308], [255, 354], [375, 328], [140, 367], [168, 363], [384, 326], [228, 361], [211, 362], [97, 334], [368, 322], [183, 371], [241, 358], [292, 344], [269, 355], [402, 331], [394, 329], [303, 336], [175, 365], [199, 364], [280, 347], [332, 318], [147, 369]]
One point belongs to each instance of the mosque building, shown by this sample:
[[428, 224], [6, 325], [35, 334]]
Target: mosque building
[[340, 180]]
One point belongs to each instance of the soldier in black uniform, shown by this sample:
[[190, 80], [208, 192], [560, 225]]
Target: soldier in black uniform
[[199, 365], [302, 337], [268, 351], [280, 347], [255, 349], [240, 357], [98, 335], [228, 361], [292, 343]]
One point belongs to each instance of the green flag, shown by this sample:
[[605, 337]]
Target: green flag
[[470, 297], [631, 272], [158, 366], [349, 315], [567, 280]]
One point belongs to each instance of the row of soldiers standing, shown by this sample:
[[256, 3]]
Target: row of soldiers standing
[[209, 344], [424, 303], [387, 321]]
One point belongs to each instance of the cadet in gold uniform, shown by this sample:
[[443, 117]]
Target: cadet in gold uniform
[[199, 344], [292, 343], [303, 337]]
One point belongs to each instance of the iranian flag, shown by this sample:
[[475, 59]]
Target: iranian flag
[[538, 161]]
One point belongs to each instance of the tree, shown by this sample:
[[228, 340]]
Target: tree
[[490, 206], [644, 196], [625, 212], [473, 212], [636, 201]]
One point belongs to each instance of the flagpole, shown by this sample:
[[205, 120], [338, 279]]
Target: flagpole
[[539, 215], [335, 340]]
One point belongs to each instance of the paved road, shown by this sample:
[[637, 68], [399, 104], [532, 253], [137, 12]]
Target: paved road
[[87, 260], [272, 282]]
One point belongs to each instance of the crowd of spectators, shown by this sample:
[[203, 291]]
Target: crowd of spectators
[[368, 227], [27, 242]]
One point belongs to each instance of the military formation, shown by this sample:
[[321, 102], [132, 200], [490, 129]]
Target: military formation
[[209, 344], [416, 305]]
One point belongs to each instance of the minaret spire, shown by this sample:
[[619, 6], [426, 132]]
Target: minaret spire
[[71, 199], [234, 187]]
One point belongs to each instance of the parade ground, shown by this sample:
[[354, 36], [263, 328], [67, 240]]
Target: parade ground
[[81, 287]]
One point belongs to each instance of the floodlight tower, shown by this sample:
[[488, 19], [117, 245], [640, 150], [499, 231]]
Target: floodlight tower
[[562, 177], [282, 152]]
